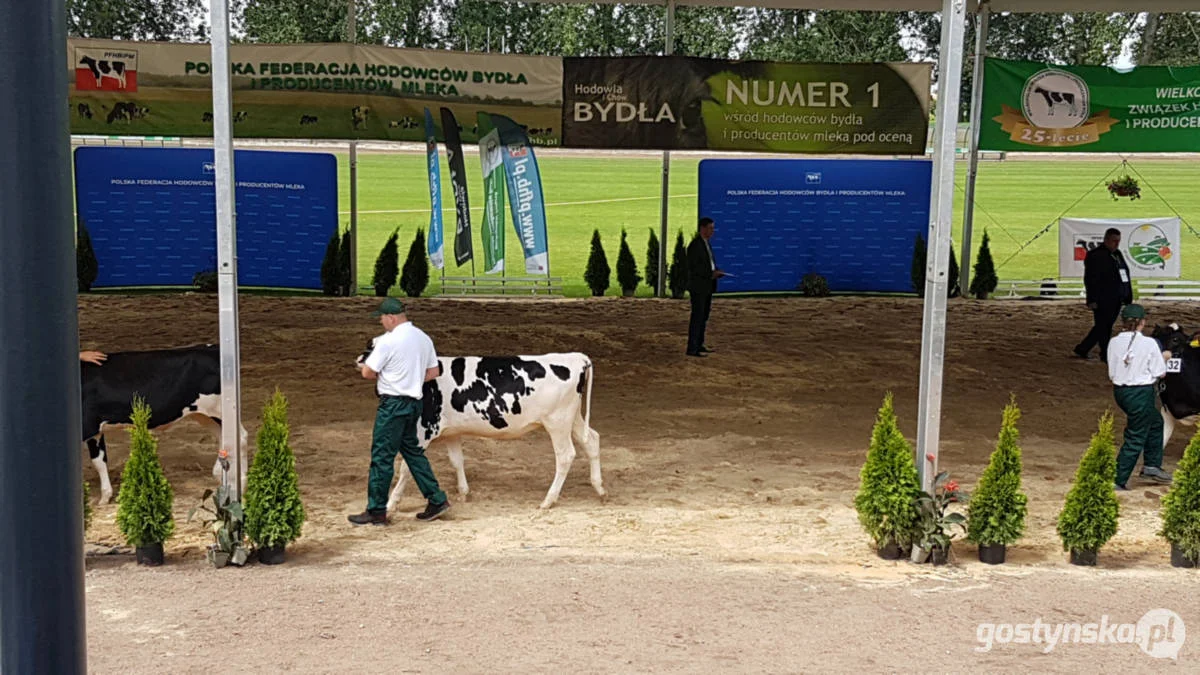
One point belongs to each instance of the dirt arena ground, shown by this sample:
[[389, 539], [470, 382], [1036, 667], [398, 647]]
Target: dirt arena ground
[[729, 537]]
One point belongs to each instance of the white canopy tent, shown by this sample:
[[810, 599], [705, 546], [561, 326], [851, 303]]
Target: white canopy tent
[[941, 204]]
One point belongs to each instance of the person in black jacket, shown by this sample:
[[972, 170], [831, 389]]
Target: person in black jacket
[[1106, 278], [702, 283]]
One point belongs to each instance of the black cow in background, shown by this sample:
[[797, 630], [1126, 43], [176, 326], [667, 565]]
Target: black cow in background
[[175, 383]]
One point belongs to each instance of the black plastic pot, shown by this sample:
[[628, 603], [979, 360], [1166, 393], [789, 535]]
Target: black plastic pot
[[271, 555], [992, 554], [1178, 559], [151, 555], [891, 551], [939, 556], [1083, 557]]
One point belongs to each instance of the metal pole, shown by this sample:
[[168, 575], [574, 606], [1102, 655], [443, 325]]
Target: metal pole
[[41, 503], [231, 384], [352, 33], [933, 327], [669, 47], [981, 32]]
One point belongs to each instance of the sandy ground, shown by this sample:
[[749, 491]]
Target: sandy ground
[[729, 537]]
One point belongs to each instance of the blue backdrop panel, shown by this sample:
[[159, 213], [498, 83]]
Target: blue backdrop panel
[[151, 213], [854, 222]]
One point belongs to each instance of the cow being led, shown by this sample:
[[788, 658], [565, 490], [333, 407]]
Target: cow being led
[[505, 397], [1180, 390], [175, 383]]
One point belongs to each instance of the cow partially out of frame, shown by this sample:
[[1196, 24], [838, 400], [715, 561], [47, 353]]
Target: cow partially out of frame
[[175, 383], [506, 397]]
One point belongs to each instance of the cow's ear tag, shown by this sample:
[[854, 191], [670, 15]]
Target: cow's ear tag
[[1195, 343]]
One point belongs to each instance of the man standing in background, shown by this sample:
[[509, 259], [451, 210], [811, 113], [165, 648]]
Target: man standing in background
[[1106, 278], [702, 283]]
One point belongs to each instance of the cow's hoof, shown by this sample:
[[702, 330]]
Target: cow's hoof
[[546, 504], [106, 497]]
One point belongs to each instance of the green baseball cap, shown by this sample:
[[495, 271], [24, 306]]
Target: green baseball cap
[[1133, 312], [389, 306]]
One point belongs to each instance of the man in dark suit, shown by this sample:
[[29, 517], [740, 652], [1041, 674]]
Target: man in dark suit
[[702, 283], [1106, 278]]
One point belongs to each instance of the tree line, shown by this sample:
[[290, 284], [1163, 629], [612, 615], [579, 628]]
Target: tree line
[[618, 30]]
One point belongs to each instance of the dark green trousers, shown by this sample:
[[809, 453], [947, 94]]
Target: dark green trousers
[[1143, 432], [396, 423]]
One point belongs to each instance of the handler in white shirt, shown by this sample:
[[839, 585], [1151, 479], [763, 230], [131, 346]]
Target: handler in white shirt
[[1135, 365], [402, 361]]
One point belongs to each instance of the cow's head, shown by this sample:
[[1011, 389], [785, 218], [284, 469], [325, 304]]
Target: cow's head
[[1171, 337]]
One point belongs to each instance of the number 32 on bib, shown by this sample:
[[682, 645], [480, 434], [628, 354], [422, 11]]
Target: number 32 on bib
[[1174, 365]]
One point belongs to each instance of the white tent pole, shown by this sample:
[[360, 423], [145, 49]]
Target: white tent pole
[[222, 97], [933, 326], [352, 35], [666, 171], [981, 33]]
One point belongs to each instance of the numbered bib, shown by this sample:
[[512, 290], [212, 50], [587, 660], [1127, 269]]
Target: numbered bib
[[1174, 365]]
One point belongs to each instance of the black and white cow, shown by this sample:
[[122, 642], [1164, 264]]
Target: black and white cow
[[1056, 98], [1179, 392], [175, 383], [506, 397]]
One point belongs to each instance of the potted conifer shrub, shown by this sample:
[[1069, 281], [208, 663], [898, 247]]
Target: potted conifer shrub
[[1089, 516], [86, 265], [330, 280], [274, 511], [88, 511], [627, 272], [415, 276], [678, 272], [346, 285], [996, 513], [1181, 509], [917, 273], [886, 499], [652, 261], [387, 266], [984, 282], [145, 499], [597, 273]]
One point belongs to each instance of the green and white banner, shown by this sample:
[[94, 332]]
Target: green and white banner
[[1030, 106], [305, 90], [1150, 245], [692, 103], [491, 160]]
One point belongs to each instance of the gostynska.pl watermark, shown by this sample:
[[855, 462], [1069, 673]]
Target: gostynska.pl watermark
[[1160, 633]]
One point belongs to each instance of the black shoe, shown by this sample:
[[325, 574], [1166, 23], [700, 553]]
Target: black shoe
[[368, 518], [433, 511], [699, 354], [1081, 354], [705, 350]]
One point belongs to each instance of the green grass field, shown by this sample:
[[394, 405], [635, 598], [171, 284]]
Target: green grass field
[[1016, 199]]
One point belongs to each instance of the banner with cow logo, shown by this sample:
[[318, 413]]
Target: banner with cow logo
[[1150, 246], [492, 165], [343, 91], [434, 242], [693, 103], [524, 194], [1030, 106], [463, 248]]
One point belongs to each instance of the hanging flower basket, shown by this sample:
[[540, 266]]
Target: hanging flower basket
[[1125, 186]]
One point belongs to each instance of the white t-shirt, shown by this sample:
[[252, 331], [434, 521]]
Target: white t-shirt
[[401, 357], [1134, 359]]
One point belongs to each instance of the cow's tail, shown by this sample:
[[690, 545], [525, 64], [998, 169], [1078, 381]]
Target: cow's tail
[[590, 373]]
